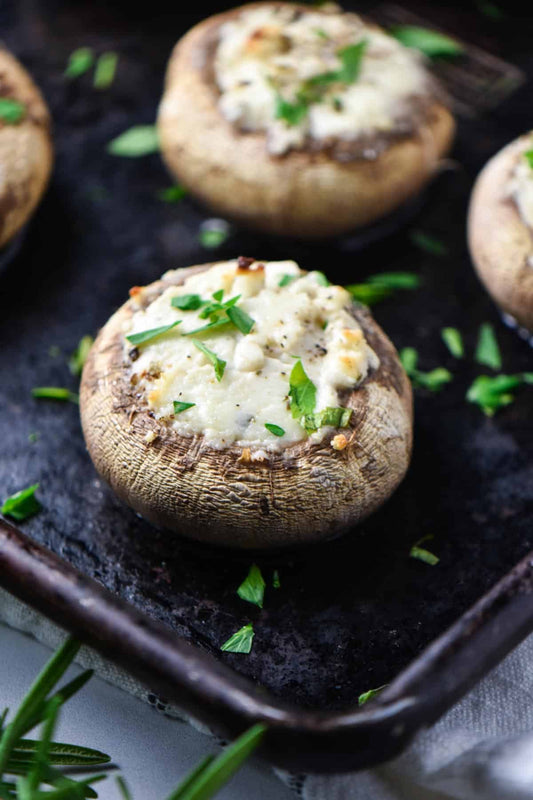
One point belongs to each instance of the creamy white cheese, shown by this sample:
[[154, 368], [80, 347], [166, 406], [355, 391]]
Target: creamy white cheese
[[521, 188], [270, 51], [302, 319]]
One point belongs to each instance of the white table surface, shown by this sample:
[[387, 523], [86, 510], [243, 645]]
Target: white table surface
[[153, 752]]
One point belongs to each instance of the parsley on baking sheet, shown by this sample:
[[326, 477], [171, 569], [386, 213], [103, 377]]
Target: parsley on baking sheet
[[491, 393], [218, 363], [22, 505], [140, 140], [424, 555], [366, 696], [434, 380], [172, 194], [179, 406], [274, 429], [430, 244], [488, 351], [55, 393], [79, 62], [213, 233], [252, 589], [431, 43], [276, 583], [11, 111], [241, 641], [152, 333], [378, 287], [104, 73], [79, 356], [454, 341]]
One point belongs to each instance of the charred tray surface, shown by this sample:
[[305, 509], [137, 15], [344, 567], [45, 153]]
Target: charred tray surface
[[349, 614]]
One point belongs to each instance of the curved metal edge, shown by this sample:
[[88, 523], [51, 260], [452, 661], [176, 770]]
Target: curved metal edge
[[297, 739]]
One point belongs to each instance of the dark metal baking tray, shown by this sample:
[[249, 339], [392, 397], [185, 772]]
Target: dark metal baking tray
[[351, 614]]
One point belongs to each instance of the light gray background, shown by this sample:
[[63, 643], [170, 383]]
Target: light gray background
[[153, 752]]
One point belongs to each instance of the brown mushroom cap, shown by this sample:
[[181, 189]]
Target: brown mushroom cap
[[501, 244], [303, 193], [304, 493], [25, 149]]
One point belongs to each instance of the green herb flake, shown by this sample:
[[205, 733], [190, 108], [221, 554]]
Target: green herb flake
[[379, 287], [210, 327], [487, 351], [11, 111], [276, 583], [79, 356], [55, 393], [320, 32], [286, 279], [240, 642], [218, 364], [368, 294], [274, 429], [179, 406], [291, 113], [528, 155], [187, 302], [79, 62], [351, 58], [321, 278], [218, 295], [213, 233], [421, 554], [431, 43], [366, 696], [430, 244], [491, 393], [123, 788], [240, 319], [172, 194], [252, 589], [433, 381], [23, 504], [302, 392], [140, 140], [104, 73], [146, 336], [454, 341], [336, 417]]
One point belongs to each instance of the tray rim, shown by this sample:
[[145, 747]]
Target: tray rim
[[298, 739]]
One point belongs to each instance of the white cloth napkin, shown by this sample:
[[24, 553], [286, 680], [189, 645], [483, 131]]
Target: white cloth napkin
[[480, 750]]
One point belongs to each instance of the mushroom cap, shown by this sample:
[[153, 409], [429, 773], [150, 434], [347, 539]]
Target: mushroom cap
[[304, 493], [304, 193], [25, 149], [501, 244]]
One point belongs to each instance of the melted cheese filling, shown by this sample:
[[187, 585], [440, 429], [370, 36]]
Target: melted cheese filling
[[302, 319], [268, 52], [521, 188]]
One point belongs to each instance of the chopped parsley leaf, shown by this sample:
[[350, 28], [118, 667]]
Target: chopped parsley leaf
[[252, 589], [219, 364], [454, 341], [147, 336], [337, 417], [79, 356], [528, 155], [187, 302], [179, 406], [104, 73], [22, 505], [240, 642], [172, 194], [302, 392], [55, 393], [11, 111], [276, 583], [240, 319], [434, 380], [140, 140], [491, 393], [286, 279], [79, 62], [366, 696], [431, 43], [274, 429], [488, 351]]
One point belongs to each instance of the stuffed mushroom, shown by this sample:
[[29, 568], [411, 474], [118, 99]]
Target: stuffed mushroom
[[300, 121], [500, 229], [25, 146], [247, 404]]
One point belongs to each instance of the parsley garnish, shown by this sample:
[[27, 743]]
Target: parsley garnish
[[431, 43], [422, 554], [302, 392], [79, 356], [276, 583], [337, 417], [434, 380], [80, 61], [378, 287], [179, 406], [172, 194], [528, 155], [141, 140], [321, 278], [286, 279], [240, 319], [275, 429], [11, 111], [428, 243], [23, 504], [55, 393], [454, 341], [218, 364], [240, 642], [217, 323], [104, 73], [213, 233], [147, 336], [366, 696], [491, 393], [291, 113], [487, 351], [252, 589], [187, 302]]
